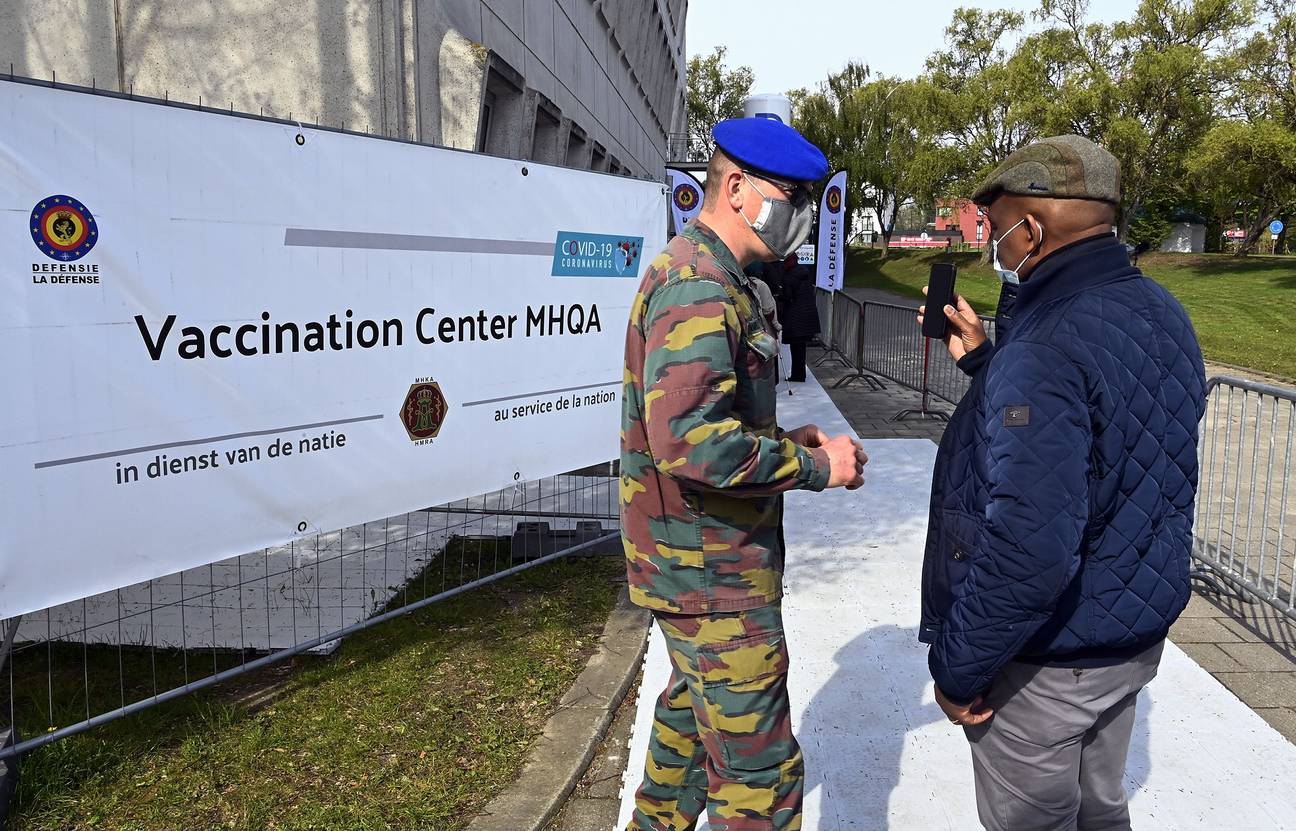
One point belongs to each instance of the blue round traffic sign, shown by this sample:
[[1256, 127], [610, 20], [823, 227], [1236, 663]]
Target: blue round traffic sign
[[1276, 226]]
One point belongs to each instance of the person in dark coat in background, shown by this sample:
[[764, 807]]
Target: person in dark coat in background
[[798, 313], [772, 276]]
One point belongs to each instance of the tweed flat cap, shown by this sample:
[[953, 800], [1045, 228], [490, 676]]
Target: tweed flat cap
[[1060, 167]]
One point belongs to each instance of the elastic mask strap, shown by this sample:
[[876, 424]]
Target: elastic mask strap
[[767, 205]]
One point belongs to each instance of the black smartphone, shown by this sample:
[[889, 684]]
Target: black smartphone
[[940, 293]]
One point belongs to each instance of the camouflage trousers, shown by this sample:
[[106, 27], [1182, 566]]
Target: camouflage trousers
[[722, 731]]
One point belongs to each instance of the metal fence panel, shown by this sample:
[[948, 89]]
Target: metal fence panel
[[846, 320], [74, 666], [824, 305], [893, 346], [1245, 519], [846, 345]]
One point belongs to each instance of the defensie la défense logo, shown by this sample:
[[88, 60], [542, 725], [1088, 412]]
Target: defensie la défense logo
[[579, 254], [687, 196], [63, 228], [834, 199]]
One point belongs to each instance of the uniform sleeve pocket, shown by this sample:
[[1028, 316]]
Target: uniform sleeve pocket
[[763, 344]]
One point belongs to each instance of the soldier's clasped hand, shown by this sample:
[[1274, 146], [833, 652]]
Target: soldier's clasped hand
[[847, 459], [808, 435]]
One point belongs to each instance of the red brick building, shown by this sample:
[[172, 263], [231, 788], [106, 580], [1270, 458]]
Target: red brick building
[[963, 216]]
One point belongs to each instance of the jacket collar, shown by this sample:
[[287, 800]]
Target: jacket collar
[[1074, 268], [1071, 269], [699, 232]]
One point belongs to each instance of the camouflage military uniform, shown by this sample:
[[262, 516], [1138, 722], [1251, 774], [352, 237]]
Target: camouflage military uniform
[[702, 470]]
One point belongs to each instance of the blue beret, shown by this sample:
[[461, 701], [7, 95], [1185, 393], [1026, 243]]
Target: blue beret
[[770, 146]]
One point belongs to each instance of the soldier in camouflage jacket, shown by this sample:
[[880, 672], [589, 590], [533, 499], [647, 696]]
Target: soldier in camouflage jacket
[[703, 467]]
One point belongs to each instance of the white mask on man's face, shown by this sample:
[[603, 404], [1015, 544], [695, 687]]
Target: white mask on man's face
[[781, 224], [1010, 275]]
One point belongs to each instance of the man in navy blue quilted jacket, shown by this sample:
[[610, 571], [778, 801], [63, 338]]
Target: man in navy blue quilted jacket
[[1062, 502]]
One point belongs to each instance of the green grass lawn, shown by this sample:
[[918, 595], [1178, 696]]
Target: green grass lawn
[[1240, 306], [415, 723]]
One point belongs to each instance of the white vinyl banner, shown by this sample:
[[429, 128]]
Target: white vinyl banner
[[830, 263], [686, 196], [219, 333]]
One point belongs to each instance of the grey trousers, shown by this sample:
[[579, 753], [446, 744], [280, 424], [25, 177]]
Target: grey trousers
[[1053, 756]]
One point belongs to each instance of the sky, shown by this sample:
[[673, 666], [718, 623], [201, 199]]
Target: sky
[[796, 43]]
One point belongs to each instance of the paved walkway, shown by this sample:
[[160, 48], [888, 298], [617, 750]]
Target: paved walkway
[[872, 412], [596, 802], [1250, 649], [878, 752]]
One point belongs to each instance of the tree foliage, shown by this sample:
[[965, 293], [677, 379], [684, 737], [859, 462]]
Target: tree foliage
[[1259, 134], [983, 98], [715, 93], [1248, 171], [1196, 99], [1149, 228], [882, 131], [1147, 88]]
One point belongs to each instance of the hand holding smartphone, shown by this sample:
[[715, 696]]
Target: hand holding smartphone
[[940, 293]]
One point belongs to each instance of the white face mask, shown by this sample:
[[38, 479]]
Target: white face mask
[[781, 225], [1009, 275]]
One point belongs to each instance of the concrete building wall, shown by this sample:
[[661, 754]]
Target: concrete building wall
[[584, 82]]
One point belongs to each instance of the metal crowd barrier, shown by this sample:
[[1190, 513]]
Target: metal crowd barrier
[[845, 339], [1245, 520], [824, 305], [882, 339], [892, 346], [73, 667]]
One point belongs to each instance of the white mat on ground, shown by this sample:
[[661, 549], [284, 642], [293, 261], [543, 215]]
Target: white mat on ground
[[879, 753]]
